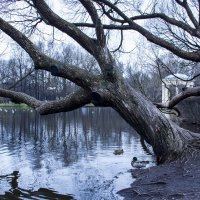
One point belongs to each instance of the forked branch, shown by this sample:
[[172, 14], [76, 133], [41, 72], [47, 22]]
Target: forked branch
[[189, 12], [89, 6], [66, 27], [75, 74], [193, 56]]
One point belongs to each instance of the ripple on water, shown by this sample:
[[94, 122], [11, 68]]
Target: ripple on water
[[72, 153], [5, 159], [4, 149], [6, 153]]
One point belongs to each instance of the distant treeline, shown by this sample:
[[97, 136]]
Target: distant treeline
[[18, 73]]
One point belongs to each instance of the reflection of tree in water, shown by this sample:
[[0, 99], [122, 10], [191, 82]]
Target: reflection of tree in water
[[17, 193], [68, 135]]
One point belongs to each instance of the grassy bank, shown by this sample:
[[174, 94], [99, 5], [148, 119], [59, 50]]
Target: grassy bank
[[24, 106], [13, 105]]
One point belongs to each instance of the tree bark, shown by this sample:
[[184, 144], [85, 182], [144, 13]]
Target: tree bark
[[168, 140]]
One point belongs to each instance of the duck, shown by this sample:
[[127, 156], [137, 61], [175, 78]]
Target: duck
[[118, 152], [138, 164]]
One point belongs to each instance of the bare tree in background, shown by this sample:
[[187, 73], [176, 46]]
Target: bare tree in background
[[109, 88]]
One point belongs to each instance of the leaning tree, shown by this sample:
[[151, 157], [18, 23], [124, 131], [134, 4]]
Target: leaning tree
[[109, 88]]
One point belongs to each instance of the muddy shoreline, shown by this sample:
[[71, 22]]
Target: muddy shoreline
[[177, 180]]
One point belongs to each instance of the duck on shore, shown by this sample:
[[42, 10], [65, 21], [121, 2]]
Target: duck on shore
[[138, 164]]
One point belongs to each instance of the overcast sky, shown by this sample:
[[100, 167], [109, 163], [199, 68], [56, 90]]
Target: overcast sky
[[130, 43]]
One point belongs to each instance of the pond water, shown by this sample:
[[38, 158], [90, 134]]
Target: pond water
[[66, 155]]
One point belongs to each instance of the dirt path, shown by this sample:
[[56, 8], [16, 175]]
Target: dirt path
[[177, 180]]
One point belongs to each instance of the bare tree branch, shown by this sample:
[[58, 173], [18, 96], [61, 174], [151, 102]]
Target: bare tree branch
[[169, 141], [185, 5], [121, 42], [162, 16], [77, 75], [73, 101], [194, 56], [188, 92], [21, 97], [21, 79], [101, 53], [96, 20], [199, 10], [105, 26], [66, 27]]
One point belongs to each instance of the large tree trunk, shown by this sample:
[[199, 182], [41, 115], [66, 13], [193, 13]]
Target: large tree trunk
[[109, 88], [169, 141]]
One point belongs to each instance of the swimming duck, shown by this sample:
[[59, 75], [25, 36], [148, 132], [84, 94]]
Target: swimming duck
[[118, 152], [138, 164]]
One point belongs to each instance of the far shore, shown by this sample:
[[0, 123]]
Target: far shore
[[25, 106]]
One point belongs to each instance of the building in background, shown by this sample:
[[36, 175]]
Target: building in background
[[173, 85]]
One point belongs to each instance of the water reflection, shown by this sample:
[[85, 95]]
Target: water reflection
[[17, 193], [66, 153]]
